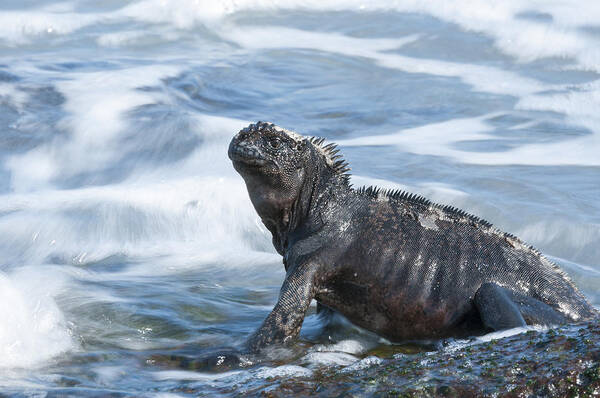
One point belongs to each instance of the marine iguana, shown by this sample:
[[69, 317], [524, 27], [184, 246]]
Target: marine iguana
[[391, 262]]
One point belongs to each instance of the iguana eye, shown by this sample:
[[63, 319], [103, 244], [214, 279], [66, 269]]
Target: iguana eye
[[275, 143]]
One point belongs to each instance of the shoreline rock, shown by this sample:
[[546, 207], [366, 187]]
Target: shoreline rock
[[559, 362]]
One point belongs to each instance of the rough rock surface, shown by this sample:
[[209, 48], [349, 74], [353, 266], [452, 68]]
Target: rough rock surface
[[561, 362]]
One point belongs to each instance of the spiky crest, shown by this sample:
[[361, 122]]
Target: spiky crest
[[418, 200], [399, 195], [332, 157]]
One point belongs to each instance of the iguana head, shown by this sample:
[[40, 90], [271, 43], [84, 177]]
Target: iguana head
[[281, 170], [272, 162], [264, 148]]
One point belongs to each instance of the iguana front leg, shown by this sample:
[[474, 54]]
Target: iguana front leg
[[285, 320]]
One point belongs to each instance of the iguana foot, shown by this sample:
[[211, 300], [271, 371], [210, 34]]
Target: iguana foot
[[501, 308], [496, 308]]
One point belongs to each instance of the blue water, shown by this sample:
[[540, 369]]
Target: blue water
[[125, 231]]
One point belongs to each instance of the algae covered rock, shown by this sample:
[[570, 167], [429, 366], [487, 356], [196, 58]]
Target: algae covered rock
[[558, 362]]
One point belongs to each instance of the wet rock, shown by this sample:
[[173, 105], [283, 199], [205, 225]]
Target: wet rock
[[559, 362]]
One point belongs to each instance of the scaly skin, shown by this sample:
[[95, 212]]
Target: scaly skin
[[391, 262]]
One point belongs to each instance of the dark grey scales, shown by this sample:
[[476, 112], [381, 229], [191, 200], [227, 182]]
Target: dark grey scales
[[391, 262]]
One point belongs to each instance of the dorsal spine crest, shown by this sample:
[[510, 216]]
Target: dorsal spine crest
[[330, 153]]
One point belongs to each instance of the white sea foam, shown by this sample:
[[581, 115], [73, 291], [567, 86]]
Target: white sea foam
[[509, 332], [460, 344], [483, 78], [23, 27], [284, 371], [259, 38], [342, 353], [204, 215], [514, 33], [507, 23], [432, 139], [118, 39], [95, 106], [439, 139], [345, 346], [330, 358], [364, 364], [33, 328], [236, 376], [195, 207]]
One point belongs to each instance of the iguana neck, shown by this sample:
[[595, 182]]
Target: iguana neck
[[303, 213]]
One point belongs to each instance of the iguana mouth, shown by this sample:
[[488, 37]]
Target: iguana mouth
[[246, 155]]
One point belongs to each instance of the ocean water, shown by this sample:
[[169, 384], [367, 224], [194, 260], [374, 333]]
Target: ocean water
[[125, 232]]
